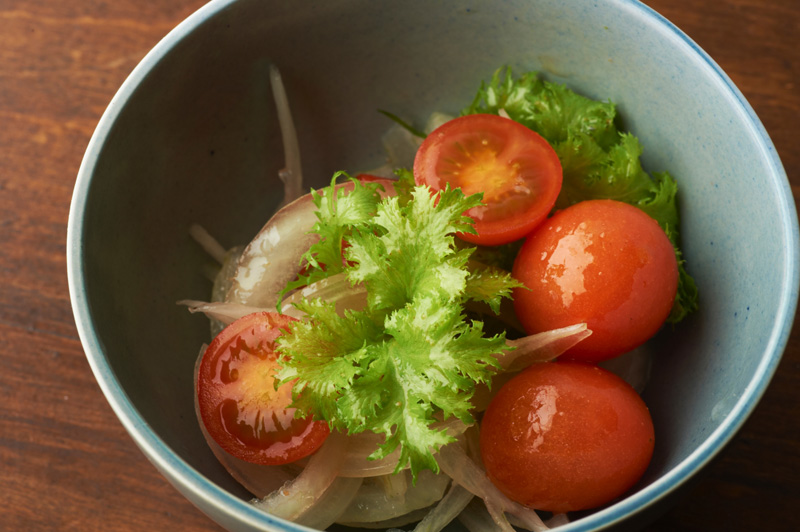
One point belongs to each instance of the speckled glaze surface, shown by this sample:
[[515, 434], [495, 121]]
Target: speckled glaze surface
[[192, 137]]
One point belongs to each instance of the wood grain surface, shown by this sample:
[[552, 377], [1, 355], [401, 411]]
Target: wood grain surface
[[66, 463]]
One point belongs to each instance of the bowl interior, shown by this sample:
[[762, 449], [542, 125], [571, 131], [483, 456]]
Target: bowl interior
[[192, 137]]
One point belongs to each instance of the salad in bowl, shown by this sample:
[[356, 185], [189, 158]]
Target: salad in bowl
[[460, 334]]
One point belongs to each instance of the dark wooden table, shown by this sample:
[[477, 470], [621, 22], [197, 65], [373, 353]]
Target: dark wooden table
[[65, 461]]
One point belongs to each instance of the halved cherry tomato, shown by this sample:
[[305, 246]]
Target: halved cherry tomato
[[602, 262], [516, 169], [566, 436], [238, 402]]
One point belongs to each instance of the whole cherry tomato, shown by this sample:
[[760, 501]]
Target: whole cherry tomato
[[602, 262], [566, 436]]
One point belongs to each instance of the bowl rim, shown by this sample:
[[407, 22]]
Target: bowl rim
[[197, 488]]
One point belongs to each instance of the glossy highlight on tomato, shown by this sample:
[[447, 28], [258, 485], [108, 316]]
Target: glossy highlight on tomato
[[602, 262], [517, 171], [238, 402], [566, 436]]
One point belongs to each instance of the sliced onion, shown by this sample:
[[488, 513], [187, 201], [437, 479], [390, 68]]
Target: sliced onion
[[453, 460], [335, 289], [224, 279], [448, 509], [555, 521], [330, 506], [390, 524], [529, 350], [292, 173], [437, 119], [478, 519], [357, 462], [295, 498], [362, 445], [273, 258], [207, 242], [260, 480], [542, 347], [221, 277], [379, 499], [227, 313], [558, 520]]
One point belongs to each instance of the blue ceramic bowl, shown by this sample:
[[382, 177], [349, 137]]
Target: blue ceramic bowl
[[192, 136]]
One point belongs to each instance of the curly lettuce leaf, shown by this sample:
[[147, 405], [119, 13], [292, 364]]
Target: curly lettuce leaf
[[598, 161], [404, 186], [338, 212], [554, 111], [411, 353], [490, 285]]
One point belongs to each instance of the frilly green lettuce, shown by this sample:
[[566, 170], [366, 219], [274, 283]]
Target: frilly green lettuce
[[411, 353], [599, 161]]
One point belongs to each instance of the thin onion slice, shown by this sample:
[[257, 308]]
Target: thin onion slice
[[448, 509], [390, 525], [207, 242], [358, 464], [529, 350], [330, 506], [558, 520], [336, 289], [295, 498], [392, 496], [227, 313], [553, 522], [260, 480], [292, 173], [223, 280], [542, 347], [273, 258], [453, 460], [476, 518]]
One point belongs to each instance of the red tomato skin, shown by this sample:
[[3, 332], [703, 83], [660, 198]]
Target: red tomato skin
[[237, 401], [369, 178], [518, 172], [602, 262], [566, 436]]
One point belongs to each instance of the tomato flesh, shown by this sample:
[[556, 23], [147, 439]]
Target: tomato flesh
[[238, 402], [517, 171], [566, 436], [602, 262]]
